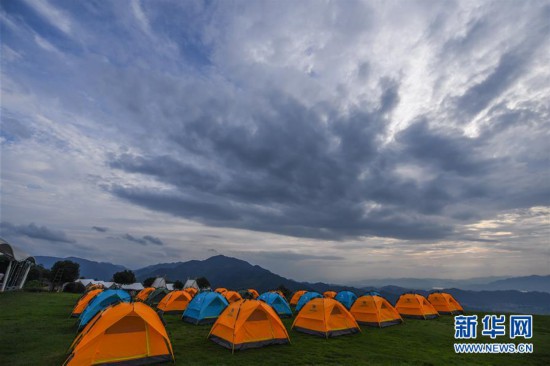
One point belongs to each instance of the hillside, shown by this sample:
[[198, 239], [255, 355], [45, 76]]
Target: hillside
[[223, 271], [88, 269], [527, 283]]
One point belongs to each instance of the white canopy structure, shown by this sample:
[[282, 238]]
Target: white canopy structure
[[19, 264], [191, 283], [88, 282], [133, 287], [159, 282]]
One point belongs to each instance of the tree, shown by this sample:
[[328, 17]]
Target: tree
[[75, 288], [178, 285], [125, 277], [38, 273], [285, 291], [202, 282], [149, 281], [64, 271]]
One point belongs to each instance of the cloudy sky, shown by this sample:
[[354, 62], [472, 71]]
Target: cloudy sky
[[323, 140]]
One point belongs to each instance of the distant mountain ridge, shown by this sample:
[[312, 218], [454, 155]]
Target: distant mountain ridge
[[526, 283], [503, 300], [89, 269], [222, 271]]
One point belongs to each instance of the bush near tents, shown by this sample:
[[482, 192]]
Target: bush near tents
[[74, 288]]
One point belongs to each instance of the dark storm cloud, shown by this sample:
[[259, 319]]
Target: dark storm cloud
[[289, 173], [144, 240], [445, 151], [34, 231], [100, 229], [153, 240]]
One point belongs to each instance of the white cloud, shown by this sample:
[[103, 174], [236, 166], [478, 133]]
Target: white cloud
[[52, 15]]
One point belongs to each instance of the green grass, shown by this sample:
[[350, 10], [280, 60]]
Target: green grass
[[35, 330]]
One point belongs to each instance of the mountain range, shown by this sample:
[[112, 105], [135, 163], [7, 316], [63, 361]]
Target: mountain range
[[526, 283], [529, 294], [89, 269]]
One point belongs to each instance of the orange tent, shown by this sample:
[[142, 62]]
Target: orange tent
[[84, 301], [220, 290], [330, 294], [415, 306], [248, 324], [232, 296], [191, 291], [374, 310], [296, 297], [144, 294], [125, 333], [445, 303], [326, 318], [254, 293], [174, 302]]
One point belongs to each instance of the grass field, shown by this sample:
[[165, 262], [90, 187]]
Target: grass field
[[35, 330]]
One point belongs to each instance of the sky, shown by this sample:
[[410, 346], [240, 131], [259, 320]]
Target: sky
[[323, 140]]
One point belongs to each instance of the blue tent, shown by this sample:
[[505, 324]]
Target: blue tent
[[205, 308], [100, 302], [346, 298], [277, 302], [305, 299]]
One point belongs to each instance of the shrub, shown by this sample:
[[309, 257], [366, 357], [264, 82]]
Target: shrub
[[74, 287]]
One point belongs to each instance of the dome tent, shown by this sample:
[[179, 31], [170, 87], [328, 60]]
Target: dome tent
[[232, 296], [155, 297], [296, 297], [83, 302], [373, 310], [143, 294], [305, 298], [445, 303], [100, 302], [411, 305], [279, 304], [175, 302], [326, 318], [205, 308], [248, 324], [346, 298], [122, 334]]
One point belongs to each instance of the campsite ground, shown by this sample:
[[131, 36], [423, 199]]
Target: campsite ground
[[35, 330]]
